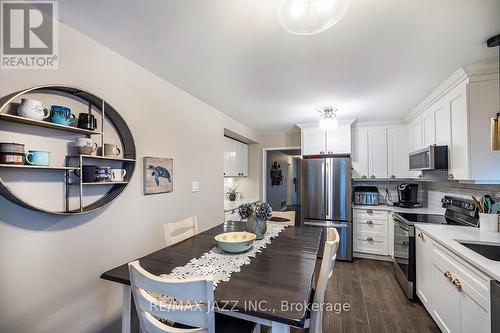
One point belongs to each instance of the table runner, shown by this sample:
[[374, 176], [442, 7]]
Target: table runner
[[220, 264]]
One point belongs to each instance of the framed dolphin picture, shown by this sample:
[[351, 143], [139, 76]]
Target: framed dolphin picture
[[158, 175]]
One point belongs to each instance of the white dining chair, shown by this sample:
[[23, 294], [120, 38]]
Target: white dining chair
[[178, 231], [325, 273], [288, 214], [186, 305]]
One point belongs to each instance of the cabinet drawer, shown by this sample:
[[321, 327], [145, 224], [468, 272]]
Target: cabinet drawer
[[367, 226], [370, 243], [474, 283], [370, 214]]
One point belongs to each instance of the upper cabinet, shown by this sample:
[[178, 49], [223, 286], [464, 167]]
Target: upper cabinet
[[316, 141], [458, 115], [235, 158], [380, 152]]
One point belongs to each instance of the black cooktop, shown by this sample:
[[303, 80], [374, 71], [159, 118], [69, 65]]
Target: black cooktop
[[427, 218]]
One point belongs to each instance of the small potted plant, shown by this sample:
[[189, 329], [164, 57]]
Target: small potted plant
[[257, 217], [232, 192]]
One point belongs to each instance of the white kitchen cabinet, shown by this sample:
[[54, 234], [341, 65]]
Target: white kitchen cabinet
[[377, 152], [313, 141], [425, 290], [338, 140], [415, 134], [235, 158], [458, 167], [442, 118], [316, 141], [397, 153], [359, 156], [428, 124], [370, 231], [455, 293]]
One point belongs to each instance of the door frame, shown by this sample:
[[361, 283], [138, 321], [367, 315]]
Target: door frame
[[264, 164]]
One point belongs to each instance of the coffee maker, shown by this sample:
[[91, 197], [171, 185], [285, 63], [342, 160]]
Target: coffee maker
[[408, 196]]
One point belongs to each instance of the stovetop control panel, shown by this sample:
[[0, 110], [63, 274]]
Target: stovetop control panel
[[460, 205]]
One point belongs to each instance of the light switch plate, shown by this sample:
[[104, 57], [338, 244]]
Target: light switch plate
[[195, 186]]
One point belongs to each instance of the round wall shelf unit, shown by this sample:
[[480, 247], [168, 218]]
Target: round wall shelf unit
[[74, 199]]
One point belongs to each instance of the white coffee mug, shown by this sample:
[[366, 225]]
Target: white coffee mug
[[83, 142], [33, 109], [117, 175]]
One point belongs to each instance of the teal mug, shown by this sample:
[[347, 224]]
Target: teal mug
[[61, 120], [37, 157]]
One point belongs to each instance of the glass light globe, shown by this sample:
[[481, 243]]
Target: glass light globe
[[308, 17], [328, 123]]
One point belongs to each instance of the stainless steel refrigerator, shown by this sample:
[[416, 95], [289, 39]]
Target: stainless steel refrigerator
[[326, 198]]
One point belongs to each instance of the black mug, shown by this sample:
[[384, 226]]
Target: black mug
[[87, 121], [89, 173]]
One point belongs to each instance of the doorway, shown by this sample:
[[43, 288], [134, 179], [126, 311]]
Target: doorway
[[281, 177]]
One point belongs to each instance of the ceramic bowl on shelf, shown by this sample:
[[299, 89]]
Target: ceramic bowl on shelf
[[235, 242]]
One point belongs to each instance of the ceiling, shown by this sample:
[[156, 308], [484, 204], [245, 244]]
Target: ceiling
[[376, 64]]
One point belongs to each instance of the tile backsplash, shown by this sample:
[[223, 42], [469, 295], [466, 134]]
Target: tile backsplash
[[431, 192]]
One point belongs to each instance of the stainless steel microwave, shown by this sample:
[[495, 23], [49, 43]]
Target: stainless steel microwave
[[430, 158]]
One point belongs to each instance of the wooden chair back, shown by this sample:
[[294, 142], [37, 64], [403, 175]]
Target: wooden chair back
[[289, 214], [189, 301], [178, 231], [325, 273]]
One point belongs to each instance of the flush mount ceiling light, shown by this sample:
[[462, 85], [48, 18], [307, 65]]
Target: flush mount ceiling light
[[309, 17], [328, 119]]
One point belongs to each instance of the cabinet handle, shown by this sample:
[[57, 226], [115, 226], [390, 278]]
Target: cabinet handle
[[451, 177], [448, 276], [330, 152], [421, 235], [372, 176], [321, 152], [369, 211], [370, 239], [405, 243], [457, 284], [363, 177], [369, 222], [420, 176]]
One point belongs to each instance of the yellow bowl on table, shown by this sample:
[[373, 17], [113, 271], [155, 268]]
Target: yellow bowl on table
[[235, 242]]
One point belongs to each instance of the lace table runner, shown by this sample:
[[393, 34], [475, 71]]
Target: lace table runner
[[221, 264]]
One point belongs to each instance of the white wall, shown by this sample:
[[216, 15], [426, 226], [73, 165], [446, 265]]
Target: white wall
[[50, 266]]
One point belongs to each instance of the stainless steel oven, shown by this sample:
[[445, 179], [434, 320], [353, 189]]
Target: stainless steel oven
[[404, 255]]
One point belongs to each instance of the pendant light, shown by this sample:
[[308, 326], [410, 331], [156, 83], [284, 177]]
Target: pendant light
[[495, 121], [328, 117], [309, 17]]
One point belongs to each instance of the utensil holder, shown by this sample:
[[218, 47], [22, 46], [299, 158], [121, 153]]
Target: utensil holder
[[488, 222]]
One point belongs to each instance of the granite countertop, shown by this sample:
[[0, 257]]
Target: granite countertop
[[447, 236], [423, 210], [230, 205]]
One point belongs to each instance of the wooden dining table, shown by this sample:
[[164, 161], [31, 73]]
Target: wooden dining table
[[273, 290]]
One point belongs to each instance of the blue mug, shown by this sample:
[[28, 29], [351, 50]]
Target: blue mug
[[37, 157], [62, 111], [57, 119]]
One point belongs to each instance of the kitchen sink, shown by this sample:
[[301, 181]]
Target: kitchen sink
[[488, 250]]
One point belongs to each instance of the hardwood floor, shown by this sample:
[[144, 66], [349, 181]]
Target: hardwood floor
[[377, 302]]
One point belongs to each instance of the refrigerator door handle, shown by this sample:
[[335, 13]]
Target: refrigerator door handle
[[327, 188], [327, 224]]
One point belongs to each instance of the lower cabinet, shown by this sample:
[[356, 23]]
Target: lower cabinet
[[454, 293], [371, 232]]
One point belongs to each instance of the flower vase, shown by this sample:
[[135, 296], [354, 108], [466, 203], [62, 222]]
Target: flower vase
[[256, 226]]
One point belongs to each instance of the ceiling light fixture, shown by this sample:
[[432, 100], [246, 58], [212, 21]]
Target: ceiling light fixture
[[309, 17], [328, 119]]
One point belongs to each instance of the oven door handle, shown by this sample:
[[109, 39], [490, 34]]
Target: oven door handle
[[401, 223]]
